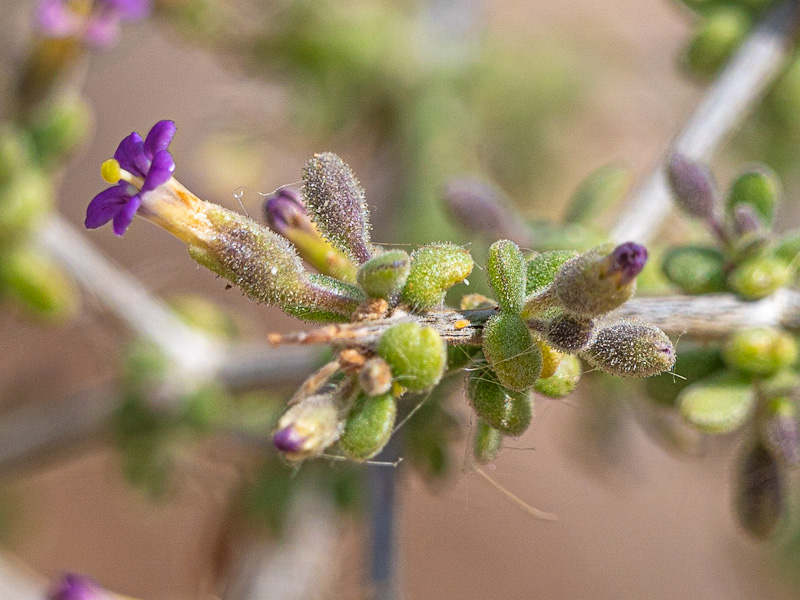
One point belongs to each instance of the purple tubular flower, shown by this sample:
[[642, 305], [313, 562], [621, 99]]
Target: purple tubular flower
[[288, 439], [284, 210], [147, 160], [628, 260], [98, 27], [76, 587]]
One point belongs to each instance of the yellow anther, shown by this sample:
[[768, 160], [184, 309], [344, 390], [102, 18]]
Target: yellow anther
[[461, 323], [110, 170]]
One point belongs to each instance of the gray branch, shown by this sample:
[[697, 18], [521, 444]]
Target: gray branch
[[744, 80]]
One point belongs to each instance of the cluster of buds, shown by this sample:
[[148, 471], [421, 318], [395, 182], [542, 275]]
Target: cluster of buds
[[549, 308]]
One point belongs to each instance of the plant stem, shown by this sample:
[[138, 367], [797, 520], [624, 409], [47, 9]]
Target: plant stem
[[383, 523], [733, 94]]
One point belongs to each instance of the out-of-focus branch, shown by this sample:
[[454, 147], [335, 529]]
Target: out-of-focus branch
[[16, 583], [743, 81]]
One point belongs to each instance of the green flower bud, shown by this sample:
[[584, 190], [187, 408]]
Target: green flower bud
[[759, 277], [696, 269], [368, 426], [506, 411], [384, 274], [720, 404], [266, 267], [761, 351], [459, 356], [336, 202], [435, 268], [309, 427], [631, 349], [780, 430], [692, 185], [506, 271], [60, 128], [691, 366], [569, 333], [563, 381], [487, 442], [511, 351], [603, 187], [760, 189], [37, 284], [417, 355], [759, 492], [375, 377], [543, 267], [715, 40], [598, 282], [24, 199]]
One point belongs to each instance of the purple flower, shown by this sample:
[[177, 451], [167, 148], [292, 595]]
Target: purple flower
[[628, 260], [76, 587], [98, 26], [145, 165], [285, 210], [288, 440]]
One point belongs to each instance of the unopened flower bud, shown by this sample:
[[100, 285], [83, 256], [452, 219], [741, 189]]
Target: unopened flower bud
[[759, 492], [506, 270], [693, 186], [563, 381], [435, 268], [385, 274], [73, 586], [284, 211], [309, 427], [543, 267], [507, 411], [569, 333], [336, 201], [780, 429], [488, 441], [696, 269], [719, 404], [511, 351], [375, 377], [631, 349], [596, 283], [368, 426], [481, 208], [758, 277], [417, 355], [761, 351]]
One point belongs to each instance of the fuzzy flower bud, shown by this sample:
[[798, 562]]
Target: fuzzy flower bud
[[511, 351], [368, 426], [507, 411], [507, 272], [417, 355], [631, 349], [309, 427], [693, 186], [76, 587], [385, 274], [336, 201], [481, 208], [435, 268], [569, 333], [596, 283], [759, 492]]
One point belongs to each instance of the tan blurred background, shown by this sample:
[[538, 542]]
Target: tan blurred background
[[651, 526]]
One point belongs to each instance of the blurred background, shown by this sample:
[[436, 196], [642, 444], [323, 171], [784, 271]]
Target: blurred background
[[563, 88]]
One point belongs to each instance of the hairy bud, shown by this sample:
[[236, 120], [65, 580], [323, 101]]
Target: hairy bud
[[780, 429], [596, 283], [631, 349], [511, 351], [569, 333], [759, 277], [507, 411], [719, 404], [385, 274], [759, 492], [543, 267], [507, 271], [693, 186], [417, 355], [368, 426], [309, 427], [760, 190], [760, 351], [563, 381], [435, 268], [375, 377], [696, 269], [487, 442], [337, 205]]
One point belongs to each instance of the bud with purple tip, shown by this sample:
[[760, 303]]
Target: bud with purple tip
[[309, 427]]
